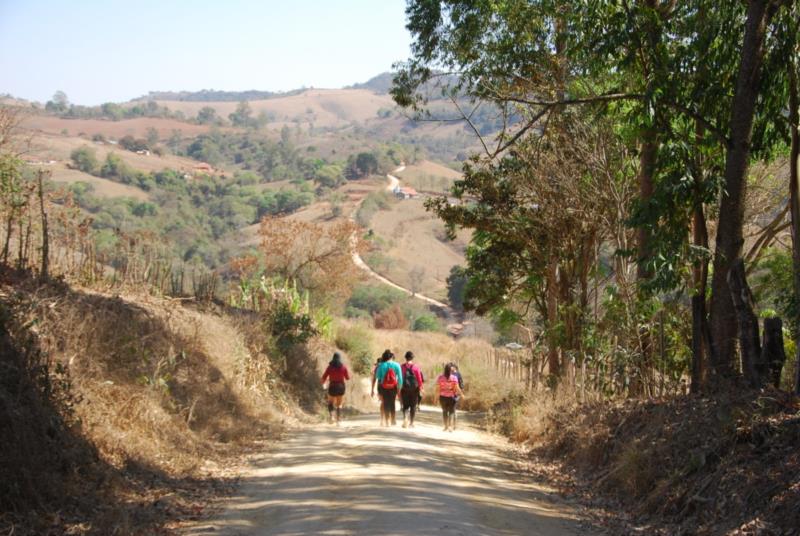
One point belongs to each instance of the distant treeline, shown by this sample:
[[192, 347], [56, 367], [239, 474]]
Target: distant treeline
[[213, 95]]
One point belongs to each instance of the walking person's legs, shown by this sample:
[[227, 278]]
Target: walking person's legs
[[412, 410], [391, 408]]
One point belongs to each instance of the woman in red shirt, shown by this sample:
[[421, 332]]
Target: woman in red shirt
[[336, 374]]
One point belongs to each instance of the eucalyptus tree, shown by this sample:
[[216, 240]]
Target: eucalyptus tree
[[685, 80]]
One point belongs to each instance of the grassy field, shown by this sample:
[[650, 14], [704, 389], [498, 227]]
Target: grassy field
[[322, 107], [428, 176], [47, 124], [58, 147], [484, 386], [100, 187], [411, 239]]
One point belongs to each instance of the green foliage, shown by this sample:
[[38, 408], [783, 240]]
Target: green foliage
[[372, 203], [374, 298], [207, 116], [774, 287], [85, 159], [243, 116], [356, 340], [361, 165], [290, 327], [427, 322], [456, 287]]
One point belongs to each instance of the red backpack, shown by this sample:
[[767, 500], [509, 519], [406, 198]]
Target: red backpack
[[389, 379]]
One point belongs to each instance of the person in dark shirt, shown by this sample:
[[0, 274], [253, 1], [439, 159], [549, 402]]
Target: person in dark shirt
[[411, 393]]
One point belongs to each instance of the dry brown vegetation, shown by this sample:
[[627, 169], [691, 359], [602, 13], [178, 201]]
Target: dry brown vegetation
[[410, 237], [738, 477], [322, 107], [484, 386], [135, 399], [428, 176], [316, 257], [137, 127]]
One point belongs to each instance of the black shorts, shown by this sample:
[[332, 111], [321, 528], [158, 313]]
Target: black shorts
[[388, 396], [336, 388], [448, 404], [409, 397]]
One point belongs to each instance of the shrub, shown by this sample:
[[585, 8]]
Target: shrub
[[85, 159], [426, 322], [356, 340], [374, 299], [391, 318]]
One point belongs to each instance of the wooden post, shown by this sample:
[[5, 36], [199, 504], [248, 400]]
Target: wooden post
[[45, 238]]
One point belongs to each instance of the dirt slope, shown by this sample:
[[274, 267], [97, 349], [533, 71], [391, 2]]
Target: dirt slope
[[362, 479]]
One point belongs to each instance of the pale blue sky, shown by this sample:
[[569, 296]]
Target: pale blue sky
[[98, 51]]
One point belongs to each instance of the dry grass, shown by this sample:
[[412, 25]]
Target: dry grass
[[56, 147], [163, 392], [483, 385], [101, 187], [413, 239], [48, 124], [322, 107], [725, 465], [428, 176]]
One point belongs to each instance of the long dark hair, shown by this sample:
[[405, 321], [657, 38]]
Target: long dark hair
[[448, 368], [336, 361], [387, 355]]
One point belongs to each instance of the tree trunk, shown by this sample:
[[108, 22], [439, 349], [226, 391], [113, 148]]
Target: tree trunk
[[553, 365], [647, 166], [701, 343], [731, 213], [747, 321], [794, 201], [773, 355]]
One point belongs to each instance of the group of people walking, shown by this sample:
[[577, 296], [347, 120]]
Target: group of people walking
[[393, 379]]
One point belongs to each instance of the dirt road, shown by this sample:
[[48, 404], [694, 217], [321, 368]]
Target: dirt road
[[363, 479], [359, 262]]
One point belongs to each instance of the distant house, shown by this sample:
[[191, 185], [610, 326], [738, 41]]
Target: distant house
[[406, 192], [202, 167]]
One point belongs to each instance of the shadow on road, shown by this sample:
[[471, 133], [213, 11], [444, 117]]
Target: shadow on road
[[363, 479]]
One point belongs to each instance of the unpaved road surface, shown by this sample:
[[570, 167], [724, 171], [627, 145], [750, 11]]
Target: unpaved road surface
[[363, 479], [393, 183]]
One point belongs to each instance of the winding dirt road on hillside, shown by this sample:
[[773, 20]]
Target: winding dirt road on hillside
[[394, 182], [362, 479]]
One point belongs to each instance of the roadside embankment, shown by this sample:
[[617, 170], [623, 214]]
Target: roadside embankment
[[121, 413], [687, 465]]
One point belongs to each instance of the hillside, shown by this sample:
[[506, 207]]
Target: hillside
[[324, 108], [134, 432]]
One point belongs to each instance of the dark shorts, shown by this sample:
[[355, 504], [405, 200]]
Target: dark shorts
[[336, 389], [389, 396], [448, 404], [409, 397]]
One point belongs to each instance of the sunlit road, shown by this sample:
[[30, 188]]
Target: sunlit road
[[363, 479]]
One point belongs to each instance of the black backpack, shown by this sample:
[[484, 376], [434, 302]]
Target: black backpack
[[409, 379]]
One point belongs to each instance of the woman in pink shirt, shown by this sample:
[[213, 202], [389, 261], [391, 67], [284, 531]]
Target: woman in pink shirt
[[336, 374], [447, 389]]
